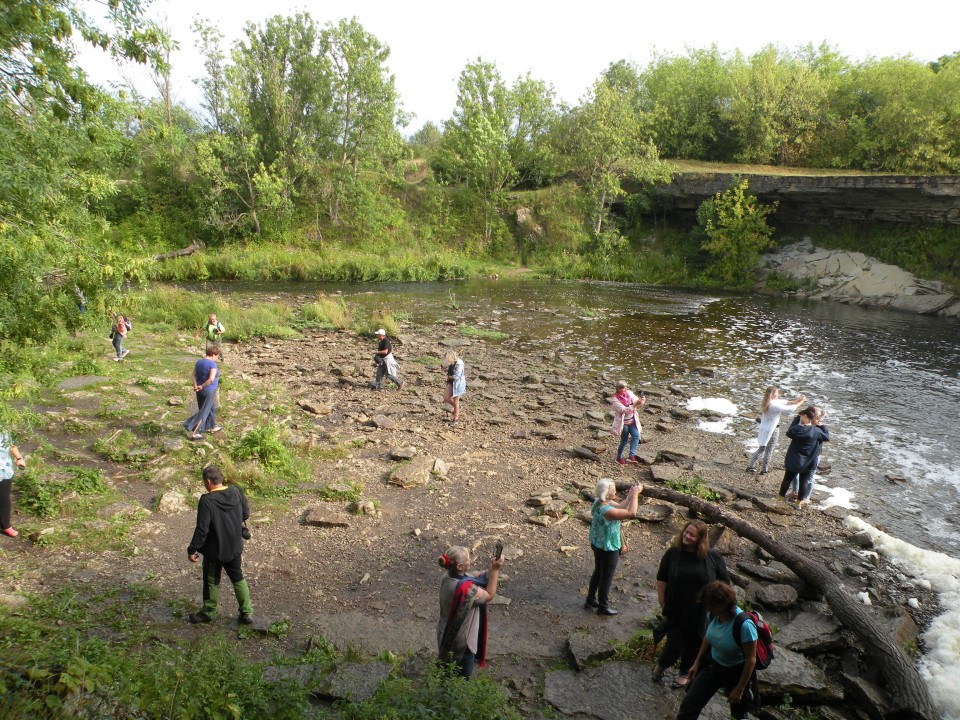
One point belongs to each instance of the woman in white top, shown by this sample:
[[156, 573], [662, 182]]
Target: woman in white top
[[771, 409]]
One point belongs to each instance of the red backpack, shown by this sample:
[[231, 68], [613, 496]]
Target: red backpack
[[764, 636]]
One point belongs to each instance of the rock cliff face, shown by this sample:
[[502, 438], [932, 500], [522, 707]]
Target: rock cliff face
[[826, 200], [852, 277]]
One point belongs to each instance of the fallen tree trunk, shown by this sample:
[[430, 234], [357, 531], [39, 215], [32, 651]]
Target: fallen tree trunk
[[909, 697], [188, 250]]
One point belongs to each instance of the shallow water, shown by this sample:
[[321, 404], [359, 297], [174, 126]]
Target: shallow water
[[890, 382]]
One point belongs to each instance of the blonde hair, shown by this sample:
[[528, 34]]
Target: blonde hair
[[455, 556], [450, 357], [765, 404], [604, 488]]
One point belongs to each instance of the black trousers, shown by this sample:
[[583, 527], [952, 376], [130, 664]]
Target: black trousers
[[6, 504], [803, 482], [710, 678], [604, 566], [683, 644]]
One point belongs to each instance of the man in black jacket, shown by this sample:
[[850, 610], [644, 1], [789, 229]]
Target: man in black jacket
[[218, 537]]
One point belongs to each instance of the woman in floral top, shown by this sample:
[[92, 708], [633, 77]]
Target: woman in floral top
[[605, 540], [9, 456]]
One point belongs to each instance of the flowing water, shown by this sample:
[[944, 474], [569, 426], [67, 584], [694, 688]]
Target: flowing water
[[889, 382]]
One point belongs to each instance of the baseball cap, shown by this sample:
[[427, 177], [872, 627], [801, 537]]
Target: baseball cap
[[381, 331]]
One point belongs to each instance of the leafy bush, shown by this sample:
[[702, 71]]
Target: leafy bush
[[330, 311], [440, 694], [277, 470], [736, 230], [694, 486], [41, 492]]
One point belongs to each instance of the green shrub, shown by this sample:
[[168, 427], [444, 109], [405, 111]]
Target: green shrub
[[277, 470], [694, 486], [41, 491], [484, 333], [330, 311], [116, 446], [442, 693]]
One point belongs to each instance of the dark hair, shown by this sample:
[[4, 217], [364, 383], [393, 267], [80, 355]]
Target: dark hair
[[718, 595], [809, 412], [703, 542], [213, 475], [213, 350]]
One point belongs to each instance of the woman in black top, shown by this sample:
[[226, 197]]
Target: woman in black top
[[688, 566]]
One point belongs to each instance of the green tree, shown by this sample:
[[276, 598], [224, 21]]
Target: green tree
[[607, 141], [364, 105], [736, 232]]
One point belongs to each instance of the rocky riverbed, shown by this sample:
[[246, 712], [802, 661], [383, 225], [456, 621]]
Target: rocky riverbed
[[520, 467]]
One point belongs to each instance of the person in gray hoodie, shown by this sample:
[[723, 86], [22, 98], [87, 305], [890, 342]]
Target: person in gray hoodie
[[218, 537]]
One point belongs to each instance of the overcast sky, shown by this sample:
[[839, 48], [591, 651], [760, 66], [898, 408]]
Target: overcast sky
[[563, 43]]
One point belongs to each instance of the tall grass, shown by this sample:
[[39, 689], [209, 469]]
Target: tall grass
[[332, 263], [328, 310], [188, 311]]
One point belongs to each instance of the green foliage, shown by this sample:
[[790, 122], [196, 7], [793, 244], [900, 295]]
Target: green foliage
[[41, 492], [329, 311], [278, 469], [786, 283], [115, 446], [736, 229], [638, 647], [345, 492], [484, 333], [694, 486], [441, 694]]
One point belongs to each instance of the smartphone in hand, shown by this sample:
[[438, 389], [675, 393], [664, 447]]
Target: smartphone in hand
[[498, 550]]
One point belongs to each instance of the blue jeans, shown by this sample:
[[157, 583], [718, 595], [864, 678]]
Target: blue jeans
[[118, 344], [631, 432]]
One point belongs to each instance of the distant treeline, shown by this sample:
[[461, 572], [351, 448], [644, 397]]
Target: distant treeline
[[300, 141]]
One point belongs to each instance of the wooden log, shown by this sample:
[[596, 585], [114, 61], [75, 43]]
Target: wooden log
[[909, 696], [188, 250]]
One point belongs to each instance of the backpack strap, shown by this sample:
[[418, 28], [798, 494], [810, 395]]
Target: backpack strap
[[738, 622]]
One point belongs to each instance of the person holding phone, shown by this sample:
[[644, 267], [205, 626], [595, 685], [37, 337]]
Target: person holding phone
[[771, 408], [626, 424], [462, 627], [607, 540], [10, 457]]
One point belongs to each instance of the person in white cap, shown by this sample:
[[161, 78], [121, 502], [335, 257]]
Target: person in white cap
[[386, 362]]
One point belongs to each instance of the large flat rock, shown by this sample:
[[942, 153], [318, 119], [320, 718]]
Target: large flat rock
[[612, 691]]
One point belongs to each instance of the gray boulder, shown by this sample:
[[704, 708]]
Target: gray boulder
[[814, 631], [776, 597], [612, 691], [587, 648], [792, 673], [354, 682]]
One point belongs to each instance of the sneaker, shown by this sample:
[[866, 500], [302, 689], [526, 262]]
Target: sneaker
[[10, 532], [751, 470], [199, 619], [196, 436], [245, 619], [791, 495], [622, 461], [216, 428], [124, 353], [116, 359], [400, 385], [453, 423], [633, 460]]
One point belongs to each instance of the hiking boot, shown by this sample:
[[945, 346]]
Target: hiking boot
[[245, 619], [199, 619]]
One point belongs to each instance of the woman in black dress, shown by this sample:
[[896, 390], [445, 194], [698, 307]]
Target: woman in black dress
[[689, 565]]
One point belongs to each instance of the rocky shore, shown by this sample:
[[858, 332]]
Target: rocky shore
[[856, 279], [521, 467]]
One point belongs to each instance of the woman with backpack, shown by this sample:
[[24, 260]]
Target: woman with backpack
[[724, 661], [688, 566]]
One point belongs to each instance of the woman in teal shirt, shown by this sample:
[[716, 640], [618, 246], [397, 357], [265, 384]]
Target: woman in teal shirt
[[605, 540], [723, 661]]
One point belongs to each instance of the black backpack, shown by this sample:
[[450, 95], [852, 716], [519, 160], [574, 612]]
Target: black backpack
[[764, 637]]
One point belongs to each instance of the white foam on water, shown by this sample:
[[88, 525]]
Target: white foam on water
[[717, 405], [940, 664], [717, 426], [836, 497]]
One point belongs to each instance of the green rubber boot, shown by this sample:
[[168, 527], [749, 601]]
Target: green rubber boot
[[242, 591]]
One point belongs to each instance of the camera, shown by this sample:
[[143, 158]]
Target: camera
[[245, 532]]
